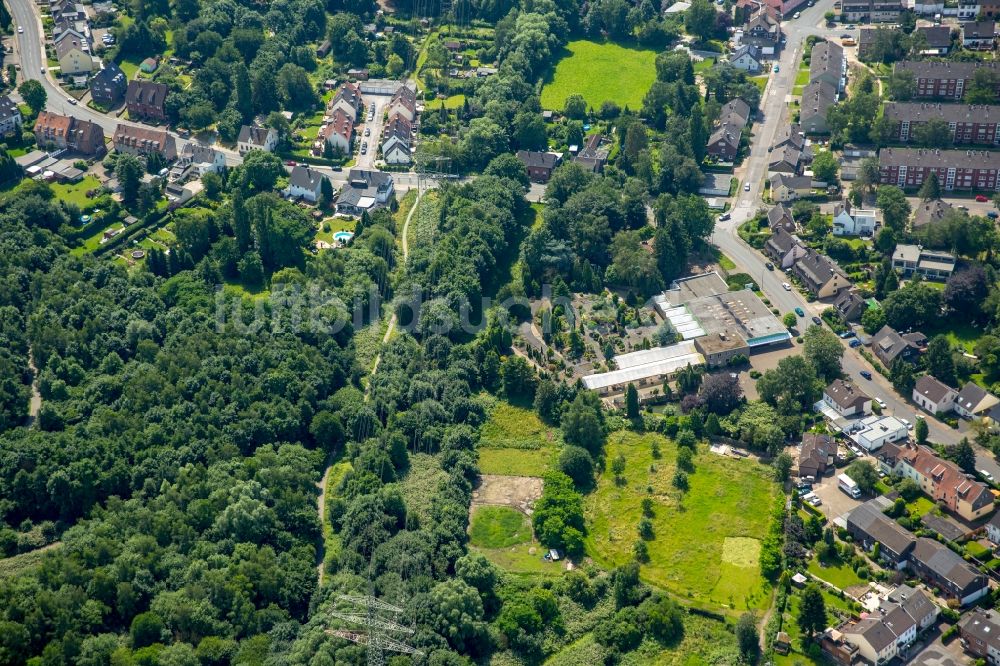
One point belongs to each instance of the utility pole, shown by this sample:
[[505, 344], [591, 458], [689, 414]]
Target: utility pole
[[376, 620]]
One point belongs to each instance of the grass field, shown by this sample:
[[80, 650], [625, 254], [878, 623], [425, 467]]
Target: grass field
[[705, 546], [331, 540], [76, 193], [498, 527], [601, 72], [702, 65], [841, 575], [515, 442], [921, 506], [802, 77]]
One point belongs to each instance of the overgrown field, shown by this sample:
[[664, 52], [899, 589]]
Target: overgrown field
[[515, 442], [705, 545], [601, 72]]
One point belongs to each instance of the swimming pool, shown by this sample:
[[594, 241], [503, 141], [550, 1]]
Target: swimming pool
[[343, 236]]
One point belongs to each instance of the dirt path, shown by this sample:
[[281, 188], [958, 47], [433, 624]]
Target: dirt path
[[321, 500], [763, 624], [35, 404]]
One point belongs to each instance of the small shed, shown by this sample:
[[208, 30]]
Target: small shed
[[798, 580], [149, 65], [782, 643]]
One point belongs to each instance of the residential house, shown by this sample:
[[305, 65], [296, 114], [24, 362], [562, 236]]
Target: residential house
[[348, 100], [937, 39], [877, 431], [539, 165], [786, 159], [136, 140], [202, 159], [993, 528], [783, 248], [888, 345], [66, 133], [968, 123], [747, 58], [594, 155], [403, 103], [916, 603], [931, 264], [938, 566], [980, 633], [866, 42], [304, 182], [338, 134], [942, 480], [146, 99], [108, 86], [867, 525], [73, 53], [871, 11], [780, 217], [876, 642], [256, 137], [816, 454], [724, 143], [10, 116], [973, 400], [764, 32], [979, 35], [826, 63], [820, 275], [943, 79], [933, 396], [929, 212], [851, 221], [365, 191], [397, 139], [793, 135], [955, 169], [817, 97], [850, 305], [989, 9], [847, 399], [785, 188], [968, 10]]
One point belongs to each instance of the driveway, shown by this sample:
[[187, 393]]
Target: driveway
[[835, 503]]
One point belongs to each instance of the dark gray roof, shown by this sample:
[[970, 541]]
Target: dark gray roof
[[253, 134], [845, 394], [778, 214], [951, 113], [898, 620], [748, 50], [979, 30], [793, 182], [199, 153], [926, 69], [781, 241], [914, 602], [970, 396], [306, 178], [817, 97], [875, 632], [929, 212], [826, 59], [938, 36], [735, 107], [946, 564], [983, 625], [931, 388], [534, 158], [920, 157], [817, 268], [869, 519], [8, 109]]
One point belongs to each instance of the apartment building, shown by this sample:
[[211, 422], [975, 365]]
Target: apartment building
[[914, 259], [956, 169], [947, 80], [968, 123]]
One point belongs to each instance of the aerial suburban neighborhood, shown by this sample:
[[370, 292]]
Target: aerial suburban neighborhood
[[540, 332]]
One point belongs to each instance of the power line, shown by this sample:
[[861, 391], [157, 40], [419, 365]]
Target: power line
[[375, 620]]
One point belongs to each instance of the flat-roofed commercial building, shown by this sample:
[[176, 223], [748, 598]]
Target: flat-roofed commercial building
[[645, 368]]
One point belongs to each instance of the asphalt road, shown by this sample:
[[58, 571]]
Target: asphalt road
[[774, 113]]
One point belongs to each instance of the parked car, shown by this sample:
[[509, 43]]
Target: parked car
[[20, 29], [71, 100], [786, 286], [800, 312], [816, 320], [986, 475], [816, 501], [847, 334], [881, 402], [368, 131], [992, 214], [855, 343], [867, 375], [777, 68], [797, 15], [981, 198], [746, 187], [724, 217], [769, 266], [909, 426]]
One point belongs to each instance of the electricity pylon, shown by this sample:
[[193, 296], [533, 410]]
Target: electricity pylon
[[375, 627]]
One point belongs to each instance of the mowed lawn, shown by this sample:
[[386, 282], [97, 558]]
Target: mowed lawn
[[515, 442], [706, 544], [600, 72]]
